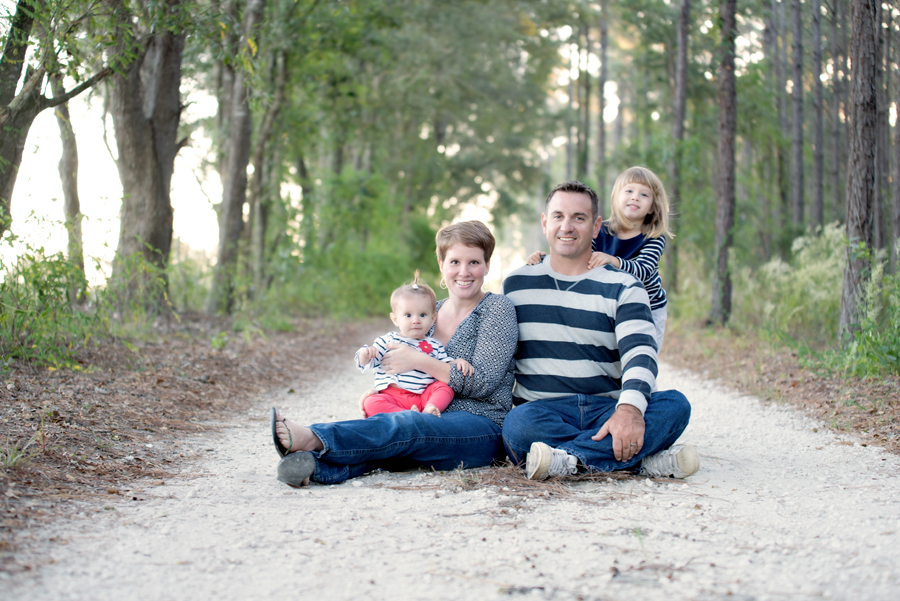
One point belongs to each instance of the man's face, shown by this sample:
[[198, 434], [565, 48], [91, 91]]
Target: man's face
[[569, 225]]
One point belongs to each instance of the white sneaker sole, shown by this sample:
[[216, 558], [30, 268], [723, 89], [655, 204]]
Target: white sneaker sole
[[688, 462], [537, 463]]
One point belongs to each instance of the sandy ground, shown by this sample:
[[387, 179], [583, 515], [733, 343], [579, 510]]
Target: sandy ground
[[780, 509]]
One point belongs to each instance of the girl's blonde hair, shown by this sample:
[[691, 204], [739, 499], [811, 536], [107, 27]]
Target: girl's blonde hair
[[414, 288], [656, 223]]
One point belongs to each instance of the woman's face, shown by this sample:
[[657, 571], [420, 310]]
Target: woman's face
[[464, 269]]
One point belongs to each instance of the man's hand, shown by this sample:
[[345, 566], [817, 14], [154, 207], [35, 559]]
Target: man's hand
[[627, 429]]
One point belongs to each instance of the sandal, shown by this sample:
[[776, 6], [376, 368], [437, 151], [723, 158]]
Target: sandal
[[282, 450]]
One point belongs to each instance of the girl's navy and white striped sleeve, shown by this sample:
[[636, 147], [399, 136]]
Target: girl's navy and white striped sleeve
[[645, 267]]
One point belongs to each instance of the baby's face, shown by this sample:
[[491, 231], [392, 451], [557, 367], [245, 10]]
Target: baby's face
[[413, 314]]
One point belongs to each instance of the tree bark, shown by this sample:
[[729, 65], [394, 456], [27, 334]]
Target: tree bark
[[797, 187], [68, 176], [877, 241], [231, 222], [780, 58], [861, 166], [836, 86], [678, 114], [895, 249], [725, 178], [259, 194], [145, 104], [18, 111], [601, 100], [584, 107], [818, 134]]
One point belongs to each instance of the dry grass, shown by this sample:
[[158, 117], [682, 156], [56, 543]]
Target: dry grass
[[867, 408], [81, 435]]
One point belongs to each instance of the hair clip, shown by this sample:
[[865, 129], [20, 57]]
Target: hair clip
[[415, 286]]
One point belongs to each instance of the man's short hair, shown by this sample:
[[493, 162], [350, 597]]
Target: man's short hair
[[577, 187]]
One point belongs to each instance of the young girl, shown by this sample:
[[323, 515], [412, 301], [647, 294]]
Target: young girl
[[413, 312], [634, 237]]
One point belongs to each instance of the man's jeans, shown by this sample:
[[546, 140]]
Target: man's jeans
[[568, 423], [404, 440]]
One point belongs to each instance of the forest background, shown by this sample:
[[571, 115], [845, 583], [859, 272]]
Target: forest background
[[345, 133]]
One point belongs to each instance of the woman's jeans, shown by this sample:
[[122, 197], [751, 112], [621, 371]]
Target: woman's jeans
[[404, 440], [568, 423]]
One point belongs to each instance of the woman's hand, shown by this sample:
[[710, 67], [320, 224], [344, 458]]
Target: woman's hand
[[535, 258], [400, 358]]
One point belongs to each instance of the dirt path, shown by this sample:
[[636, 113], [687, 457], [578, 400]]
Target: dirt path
[[779, 509]]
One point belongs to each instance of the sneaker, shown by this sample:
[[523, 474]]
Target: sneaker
[[544, 461], [678, 461]]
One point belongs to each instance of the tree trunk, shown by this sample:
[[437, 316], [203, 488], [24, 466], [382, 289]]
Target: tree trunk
[[797, 188], [601, 100], [234, 195], [145, 103], [895, 249], [861, 166], [836, 86], [584, 107], [725, 178], [18, 111], [259, 195], [678, 114], [781, 104], [68, 176], [877, 240], [570, 141], [818, 135]]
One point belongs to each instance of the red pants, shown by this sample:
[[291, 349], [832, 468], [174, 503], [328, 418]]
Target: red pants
[[393, 399]]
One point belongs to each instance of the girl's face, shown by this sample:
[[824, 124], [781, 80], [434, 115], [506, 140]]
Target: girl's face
[[635, 202], [413, 315], [464, 269]]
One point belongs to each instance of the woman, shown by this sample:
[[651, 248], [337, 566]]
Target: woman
[[473, 325]]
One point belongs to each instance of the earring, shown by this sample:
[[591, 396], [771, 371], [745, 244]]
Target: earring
[[443, 283]]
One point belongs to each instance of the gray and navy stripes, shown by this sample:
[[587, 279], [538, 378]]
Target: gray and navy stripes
[[587, 334]]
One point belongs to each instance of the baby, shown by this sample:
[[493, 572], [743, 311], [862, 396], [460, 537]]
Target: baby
[[413, 312]]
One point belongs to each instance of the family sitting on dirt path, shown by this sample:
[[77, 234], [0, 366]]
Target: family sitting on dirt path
[[579, 343]]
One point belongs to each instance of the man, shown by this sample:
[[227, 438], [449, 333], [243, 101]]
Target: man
[[585, 391]]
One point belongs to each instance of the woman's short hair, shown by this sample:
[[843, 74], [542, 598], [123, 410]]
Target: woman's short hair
[[656, 223], [467, 233], [414, 288]]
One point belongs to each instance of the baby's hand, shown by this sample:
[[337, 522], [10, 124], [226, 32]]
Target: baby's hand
[[367, 354], [598, 259], [535, 258], [464, 367], [429, 408]]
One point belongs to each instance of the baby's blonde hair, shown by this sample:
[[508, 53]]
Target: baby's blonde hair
[[414, 288], [656, 223]]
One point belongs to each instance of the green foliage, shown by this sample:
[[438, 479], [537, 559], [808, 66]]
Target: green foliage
[[12, 456], [189, 275], [366, 249], [37, 320], [799, 299], [874, 348]]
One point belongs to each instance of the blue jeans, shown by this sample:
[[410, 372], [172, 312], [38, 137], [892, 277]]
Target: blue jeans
[[404, 440], [569, 423]]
